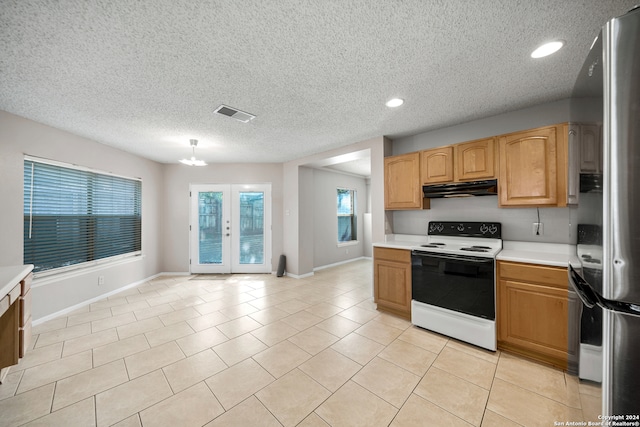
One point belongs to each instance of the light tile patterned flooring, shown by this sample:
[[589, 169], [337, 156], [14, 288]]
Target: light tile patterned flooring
[[257, 350]]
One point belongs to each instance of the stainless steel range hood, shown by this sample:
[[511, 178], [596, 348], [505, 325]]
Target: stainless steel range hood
[[461, 189]]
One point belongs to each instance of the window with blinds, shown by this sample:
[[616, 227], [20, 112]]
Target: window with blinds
[[347, 226], [74, 216]]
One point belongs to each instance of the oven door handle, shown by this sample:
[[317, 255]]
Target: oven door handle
[[476, 260]]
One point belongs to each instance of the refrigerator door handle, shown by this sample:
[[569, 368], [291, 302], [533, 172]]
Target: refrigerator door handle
[[585, 292], [590, 297]]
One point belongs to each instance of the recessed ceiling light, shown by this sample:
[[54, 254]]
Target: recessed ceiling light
[[395, 102], [547, 49]]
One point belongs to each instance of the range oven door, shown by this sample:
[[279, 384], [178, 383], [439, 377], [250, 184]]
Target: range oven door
[[461, 283]]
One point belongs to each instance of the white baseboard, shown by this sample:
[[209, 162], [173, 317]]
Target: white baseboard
[[335, 264], [298, 276]]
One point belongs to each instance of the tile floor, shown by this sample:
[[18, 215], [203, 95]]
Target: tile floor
[[257, 350]]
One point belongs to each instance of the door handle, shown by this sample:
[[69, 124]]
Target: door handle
[[590, 297], [582, 288]]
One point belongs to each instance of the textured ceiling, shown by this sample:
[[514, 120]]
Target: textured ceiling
[[146, 76]]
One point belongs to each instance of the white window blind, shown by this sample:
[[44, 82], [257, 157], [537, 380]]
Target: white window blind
[[74, 216]]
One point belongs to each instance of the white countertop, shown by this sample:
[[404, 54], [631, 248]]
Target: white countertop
[[554, 254], [11, 276], [402, 241]]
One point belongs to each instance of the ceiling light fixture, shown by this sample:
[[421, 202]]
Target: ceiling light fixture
[[193, 161], [547, 49], [395, 102]]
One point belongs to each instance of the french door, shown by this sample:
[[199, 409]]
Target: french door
[[230, 228]]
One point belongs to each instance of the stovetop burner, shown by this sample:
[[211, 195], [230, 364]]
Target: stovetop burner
[[476, 249], [433, 245], [465, 239], [589, 258]]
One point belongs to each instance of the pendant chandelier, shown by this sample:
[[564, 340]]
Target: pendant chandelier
[[193, 161]]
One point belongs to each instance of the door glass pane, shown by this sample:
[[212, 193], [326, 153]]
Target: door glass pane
[[210, 227], [251, 228]]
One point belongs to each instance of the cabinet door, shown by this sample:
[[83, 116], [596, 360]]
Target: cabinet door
[[393, 288], [9, 337], [436, 165], [529, 173], [475, 160], [590, 147], [402, 189], [392, 280], [533, 320]]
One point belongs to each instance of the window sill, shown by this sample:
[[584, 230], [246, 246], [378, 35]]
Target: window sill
[[51, 276], [350, 243]]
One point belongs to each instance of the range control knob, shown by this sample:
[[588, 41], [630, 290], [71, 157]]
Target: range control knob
[[460, 228], [484, 228], [493, 229]]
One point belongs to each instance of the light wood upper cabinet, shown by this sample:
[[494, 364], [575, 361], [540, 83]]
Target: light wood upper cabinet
[[470, 161], [437, 165], [533, 310], [392, 280], [475, 160], [533, 167], [402, 189]]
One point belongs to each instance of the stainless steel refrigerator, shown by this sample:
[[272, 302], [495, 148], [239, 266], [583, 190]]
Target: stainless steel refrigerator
[[605, 114]]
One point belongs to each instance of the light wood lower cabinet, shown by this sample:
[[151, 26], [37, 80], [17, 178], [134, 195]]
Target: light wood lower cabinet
[[392, 280], [9, 338], [15, 324], [533, 308]]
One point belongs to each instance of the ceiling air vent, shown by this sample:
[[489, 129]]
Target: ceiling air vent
[[235, 113]]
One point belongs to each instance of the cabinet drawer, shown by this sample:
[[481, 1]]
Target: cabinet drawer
[[551, 276], [25, 308], [26, 283], [14, 294], [398, 255], [4, 304], [25, 338]]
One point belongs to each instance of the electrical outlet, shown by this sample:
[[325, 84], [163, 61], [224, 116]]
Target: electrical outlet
[[100, 280], [538, 229]]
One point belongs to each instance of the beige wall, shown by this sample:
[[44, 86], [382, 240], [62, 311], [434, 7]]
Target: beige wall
[[165, 207], [19, 136], [175, 225]]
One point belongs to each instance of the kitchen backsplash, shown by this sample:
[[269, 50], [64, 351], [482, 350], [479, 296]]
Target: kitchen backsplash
[[559, 224]]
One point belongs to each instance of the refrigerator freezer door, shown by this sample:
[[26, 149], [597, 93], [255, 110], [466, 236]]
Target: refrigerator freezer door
[[623, 342], [622, 149]]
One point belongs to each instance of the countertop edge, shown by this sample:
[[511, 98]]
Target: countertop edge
[[11, 276], [563, 256]]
